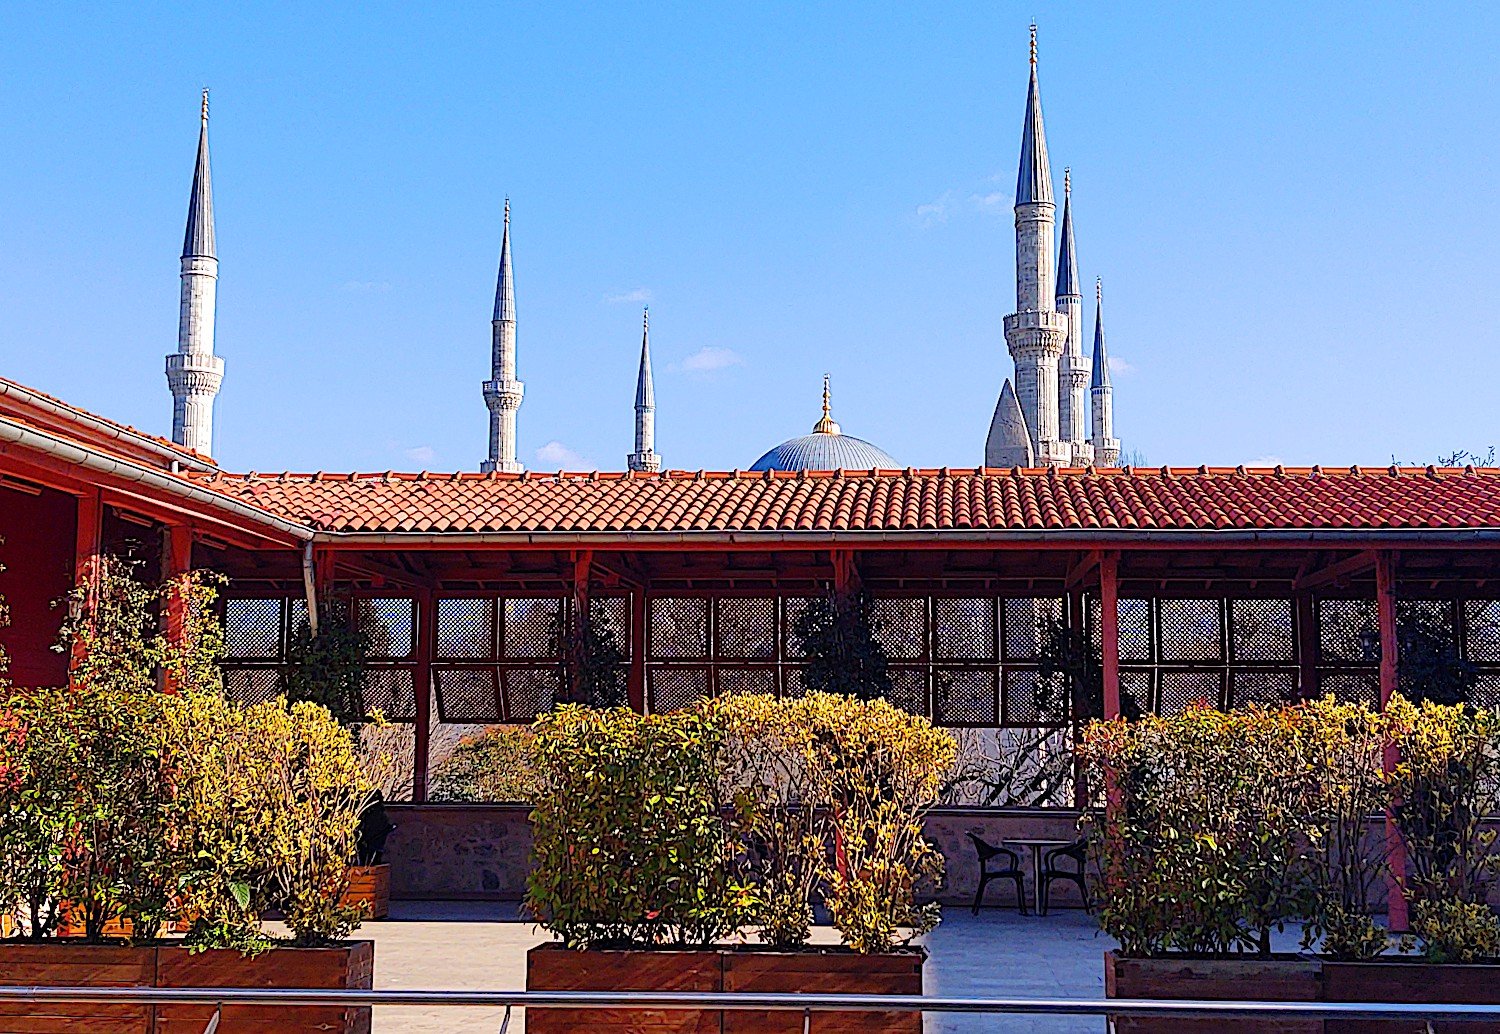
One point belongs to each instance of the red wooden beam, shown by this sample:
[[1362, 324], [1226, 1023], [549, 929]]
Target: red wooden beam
[[1336, 571], [1385, 597], [176, 562]]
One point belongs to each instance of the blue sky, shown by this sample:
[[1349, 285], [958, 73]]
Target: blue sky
[[1292, 207]]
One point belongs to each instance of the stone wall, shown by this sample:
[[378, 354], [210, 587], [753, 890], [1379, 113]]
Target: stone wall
[[480, 852]]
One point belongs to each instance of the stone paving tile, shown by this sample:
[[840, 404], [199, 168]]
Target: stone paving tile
[[471, 945]]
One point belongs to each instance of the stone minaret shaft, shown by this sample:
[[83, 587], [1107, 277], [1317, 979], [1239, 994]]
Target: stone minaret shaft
[[1106, 445], [1072, 367], [194, 373], [502, 392], [645, 457], [1036, 331]]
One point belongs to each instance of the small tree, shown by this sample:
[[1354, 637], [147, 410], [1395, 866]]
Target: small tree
[[591, 662], [329, 669], [837, 633]]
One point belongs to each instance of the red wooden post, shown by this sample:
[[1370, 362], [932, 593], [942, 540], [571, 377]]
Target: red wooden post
[[636, 686], [176, 562], [1307, 646], [1385, 597], [583, 562], [1109, 632], [1077, 629], [87, 544], [426, 606]]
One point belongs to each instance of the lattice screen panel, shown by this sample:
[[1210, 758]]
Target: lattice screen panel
[[1348, 631], [391, 625], [1135, 691], [1261, 630], [468, 694], [1135, 630], [792, 608], [251, 685], [793, 681], [530, 692], [533, 627], [902, 627], [746, 680], [676, 687], [966, 696], [1027, 622], [391, 691], [745, 629], [1351, 686], [465, 629], [613, 612], [1487, 691], [1030, 699], [964, 629], [253, 629], [909, 689], [1180, 689], [1482, 627], [1271, 688], [1192, 630], [679, 627]]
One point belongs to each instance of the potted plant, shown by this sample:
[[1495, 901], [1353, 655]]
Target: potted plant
[[370, 876], [660, 839]]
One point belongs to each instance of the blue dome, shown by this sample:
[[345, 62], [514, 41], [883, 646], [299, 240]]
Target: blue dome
[[823, 451]]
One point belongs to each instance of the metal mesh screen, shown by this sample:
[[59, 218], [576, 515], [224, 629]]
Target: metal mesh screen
[[793, 608], [1348, 631], [391, 691], [1262, 630], [902, 627], [468, 695], [1032, 700], [530, 692], [1192, 630], [1482, 628], [793, 681], [966, 696], [533, 627], [613, 612], [1179, 689], [909, 689], [1026, 625], [1487, 691], [253, 629], [674, 688], [391, 625], [251, 685], [746, 629], [465, 629], [747, 680], [964, 629], [679, 627]]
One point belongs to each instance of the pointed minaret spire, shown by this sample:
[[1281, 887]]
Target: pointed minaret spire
[[1009, 442], [194, 373], [502, 392], [1036, 331], [1106, 445], [1072, 368], [645, 457]]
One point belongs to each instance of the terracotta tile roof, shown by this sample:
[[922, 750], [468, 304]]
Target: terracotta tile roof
[[1169, 499]]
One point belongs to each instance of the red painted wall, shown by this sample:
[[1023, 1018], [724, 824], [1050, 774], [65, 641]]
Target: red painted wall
[[37, 539]]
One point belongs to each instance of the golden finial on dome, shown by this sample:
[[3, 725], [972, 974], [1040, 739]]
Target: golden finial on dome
[[826, 425]]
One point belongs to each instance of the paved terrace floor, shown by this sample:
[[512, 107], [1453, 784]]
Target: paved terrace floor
[[451, 945]]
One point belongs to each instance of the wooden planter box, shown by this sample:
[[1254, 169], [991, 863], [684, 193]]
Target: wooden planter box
[[350, 966], [551, 967], [1420, 982], [1280, 978], [372, 885]]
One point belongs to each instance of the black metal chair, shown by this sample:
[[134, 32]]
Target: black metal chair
[[988, 853], [1053, 869]]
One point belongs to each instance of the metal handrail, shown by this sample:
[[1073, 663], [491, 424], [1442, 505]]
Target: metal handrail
[[732, 1001]]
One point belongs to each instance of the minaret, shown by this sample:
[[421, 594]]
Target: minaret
[[645, 457], [502, 392], [1106, 445], [1072, 368], [1009, 443], [1035, 332], [194, 373]]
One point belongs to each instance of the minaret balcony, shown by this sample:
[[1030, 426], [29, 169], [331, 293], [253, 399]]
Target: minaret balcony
[[1036, 330], [503, 394], [194, 373]]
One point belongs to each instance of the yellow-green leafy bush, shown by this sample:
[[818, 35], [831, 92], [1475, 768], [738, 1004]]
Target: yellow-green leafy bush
[[630, 840], [1456, 931], [494, 765]]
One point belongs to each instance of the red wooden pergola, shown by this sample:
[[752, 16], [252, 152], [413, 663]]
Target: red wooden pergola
[[1224, 584]]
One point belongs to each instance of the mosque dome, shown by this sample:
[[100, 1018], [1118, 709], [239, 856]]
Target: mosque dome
[[827, 448]]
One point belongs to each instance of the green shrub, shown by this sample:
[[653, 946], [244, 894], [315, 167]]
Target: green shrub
[[1456, 931], [837, 633], [630, 842], [494, 765], [329, 668]]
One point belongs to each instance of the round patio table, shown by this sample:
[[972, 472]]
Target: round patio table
[[1039, 846]]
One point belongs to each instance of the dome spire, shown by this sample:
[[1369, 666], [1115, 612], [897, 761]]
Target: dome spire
[[826, 425]]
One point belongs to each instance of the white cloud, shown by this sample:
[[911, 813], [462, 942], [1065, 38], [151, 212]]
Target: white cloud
[[557, 456], [994, 201], [420, 454], [937, 210], [367, 286], [638, 295], [1265, 461], [1118, 365], [710, 360]]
